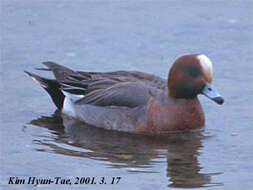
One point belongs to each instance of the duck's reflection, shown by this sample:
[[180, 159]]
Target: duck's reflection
[[128, 150]]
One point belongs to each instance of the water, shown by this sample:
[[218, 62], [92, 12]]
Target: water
[[126, 35]]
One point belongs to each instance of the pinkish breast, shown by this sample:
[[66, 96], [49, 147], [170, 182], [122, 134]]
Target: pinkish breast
[[180, 115]]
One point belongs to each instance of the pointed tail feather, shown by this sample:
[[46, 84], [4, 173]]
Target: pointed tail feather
[[52, 87]]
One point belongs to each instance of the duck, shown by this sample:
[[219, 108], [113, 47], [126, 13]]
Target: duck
[[134, 101]]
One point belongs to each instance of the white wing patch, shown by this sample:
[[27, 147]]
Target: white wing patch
[[207, 66]]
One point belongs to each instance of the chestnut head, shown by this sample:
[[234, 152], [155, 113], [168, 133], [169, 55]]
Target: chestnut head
[[191, 75]]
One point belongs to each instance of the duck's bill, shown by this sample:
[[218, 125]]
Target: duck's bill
[[210, 91]]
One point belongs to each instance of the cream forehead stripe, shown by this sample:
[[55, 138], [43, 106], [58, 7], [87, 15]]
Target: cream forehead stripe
[[206, 66]]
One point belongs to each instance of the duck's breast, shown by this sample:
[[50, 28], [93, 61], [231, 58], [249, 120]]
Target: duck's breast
[[176, 115]]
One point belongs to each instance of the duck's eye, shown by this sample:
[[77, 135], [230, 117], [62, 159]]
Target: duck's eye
[[193, 71]]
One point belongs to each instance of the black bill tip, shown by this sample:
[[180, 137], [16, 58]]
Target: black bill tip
[[219, 100]]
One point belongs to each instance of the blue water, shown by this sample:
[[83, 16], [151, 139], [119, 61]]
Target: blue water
[[126, 35]]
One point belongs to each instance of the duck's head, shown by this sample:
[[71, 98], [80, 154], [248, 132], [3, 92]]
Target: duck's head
[[191, 75]]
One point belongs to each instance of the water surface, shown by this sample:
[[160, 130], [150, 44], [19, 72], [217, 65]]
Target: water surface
[[126, 35]]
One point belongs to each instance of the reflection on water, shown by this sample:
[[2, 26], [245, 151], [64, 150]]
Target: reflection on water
[[73, 138]]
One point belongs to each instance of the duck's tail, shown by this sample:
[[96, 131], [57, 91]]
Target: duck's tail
[[52, 87]]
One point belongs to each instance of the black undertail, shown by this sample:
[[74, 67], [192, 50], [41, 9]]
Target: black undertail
[[52, 87]]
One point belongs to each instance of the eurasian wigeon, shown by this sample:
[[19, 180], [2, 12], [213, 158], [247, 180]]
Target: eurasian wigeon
[[134, 101]]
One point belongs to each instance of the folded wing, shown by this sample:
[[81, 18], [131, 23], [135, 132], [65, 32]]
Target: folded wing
[[120, 88]]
